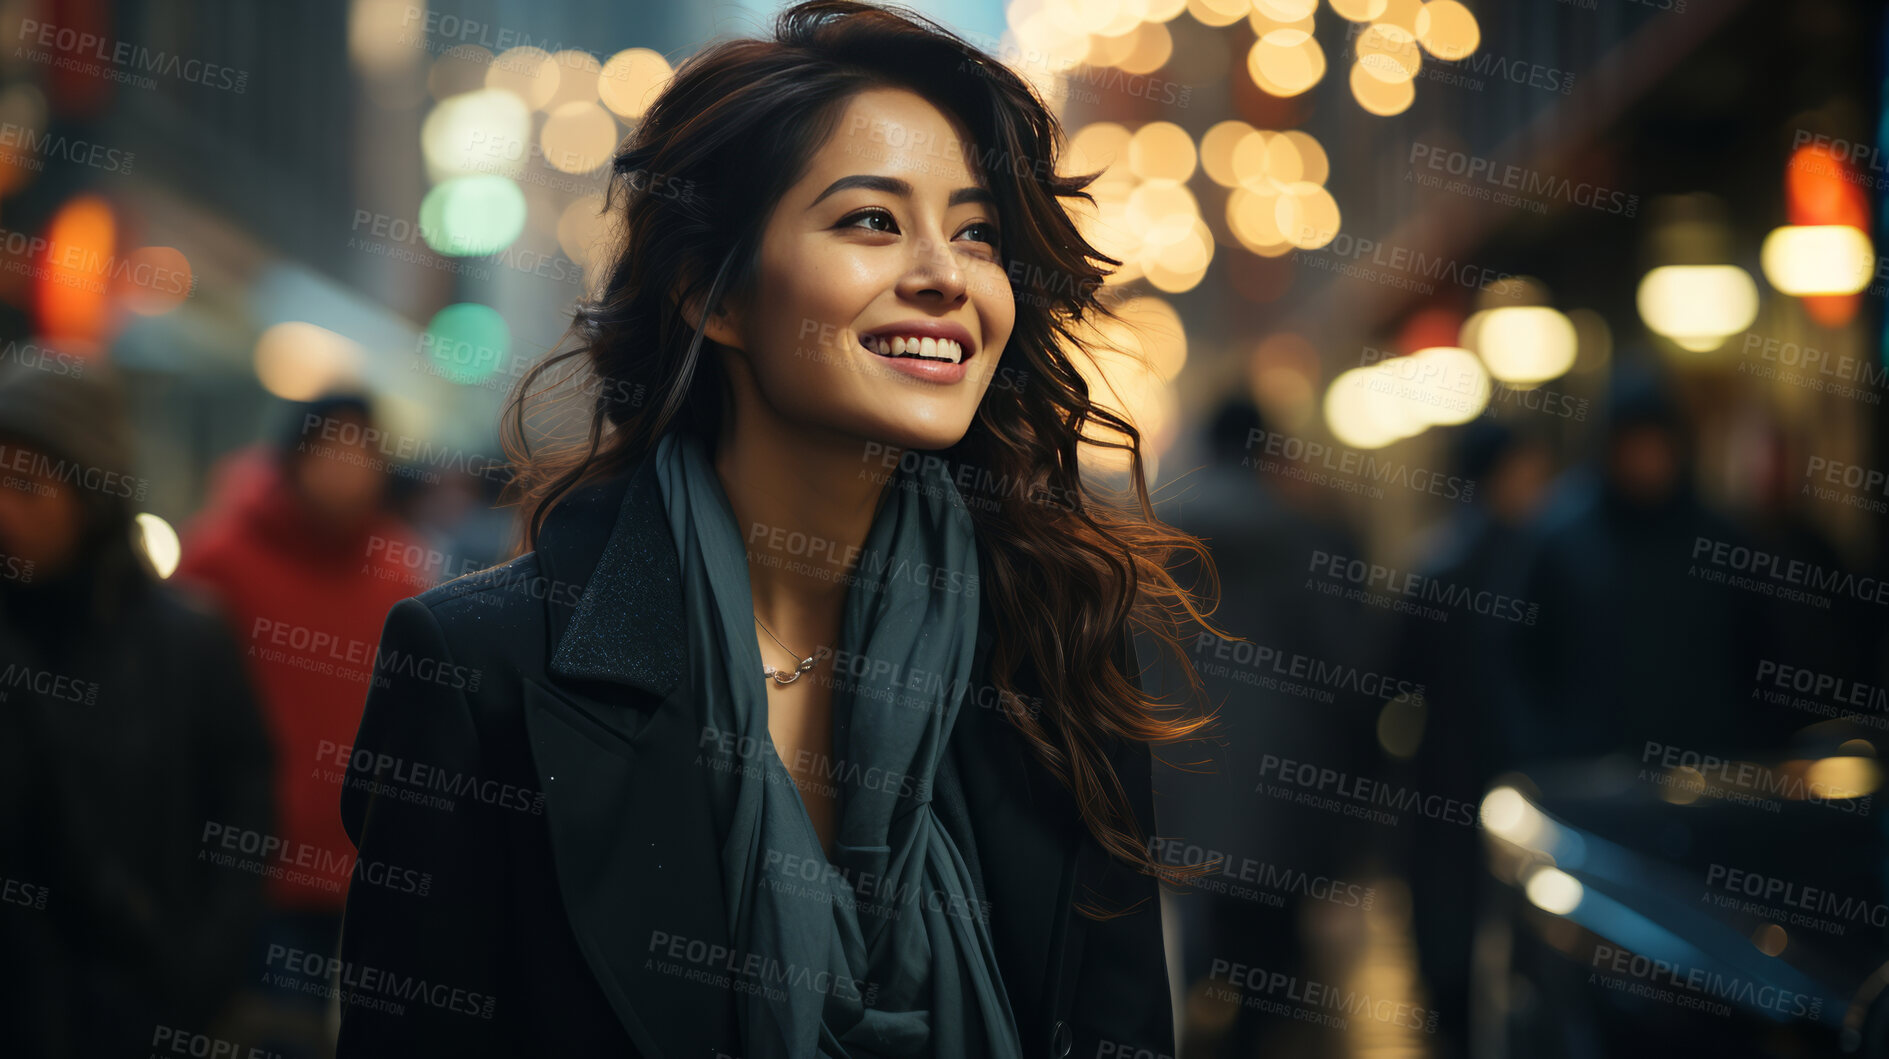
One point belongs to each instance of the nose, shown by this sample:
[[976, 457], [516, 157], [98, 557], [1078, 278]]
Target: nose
[[934, 272]]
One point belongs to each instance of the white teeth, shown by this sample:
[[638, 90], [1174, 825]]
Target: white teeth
[[934, 348]]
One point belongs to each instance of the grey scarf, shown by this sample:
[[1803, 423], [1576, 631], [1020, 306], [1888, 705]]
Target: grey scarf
[[884, 951]]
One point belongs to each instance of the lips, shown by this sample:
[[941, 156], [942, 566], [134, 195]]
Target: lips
[[935, 340]]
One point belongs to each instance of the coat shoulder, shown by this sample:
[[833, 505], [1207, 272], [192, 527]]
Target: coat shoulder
[[498, 612]]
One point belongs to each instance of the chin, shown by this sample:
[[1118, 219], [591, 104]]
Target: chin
[[928, 437]]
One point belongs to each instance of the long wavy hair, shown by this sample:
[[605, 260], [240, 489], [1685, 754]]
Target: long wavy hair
[[691, 191]]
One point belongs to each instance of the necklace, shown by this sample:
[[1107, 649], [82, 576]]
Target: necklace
[[774, 672]]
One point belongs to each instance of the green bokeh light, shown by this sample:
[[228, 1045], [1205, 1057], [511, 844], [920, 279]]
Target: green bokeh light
[[472, 216], [468, 342]]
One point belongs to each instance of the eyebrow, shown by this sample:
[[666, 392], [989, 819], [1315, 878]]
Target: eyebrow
[[896, 186]]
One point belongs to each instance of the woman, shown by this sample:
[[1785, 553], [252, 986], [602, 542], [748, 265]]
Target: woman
[[818, 684]]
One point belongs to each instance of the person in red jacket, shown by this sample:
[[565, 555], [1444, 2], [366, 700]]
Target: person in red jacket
[[301, 552]]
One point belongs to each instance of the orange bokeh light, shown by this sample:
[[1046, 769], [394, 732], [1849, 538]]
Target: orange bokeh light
[[71, 287]]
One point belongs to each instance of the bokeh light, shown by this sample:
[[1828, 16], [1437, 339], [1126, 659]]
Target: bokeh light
[[1522, 344], [1698, 306], [1818, 259], [299, 361], [160, 543], [631, 80], [472, 216]]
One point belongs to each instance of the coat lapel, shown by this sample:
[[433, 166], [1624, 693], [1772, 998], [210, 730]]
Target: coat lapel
[[614, 736]]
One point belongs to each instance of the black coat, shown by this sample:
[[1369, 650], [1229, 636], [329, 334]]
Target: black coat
[[570, 900], [129, 738]]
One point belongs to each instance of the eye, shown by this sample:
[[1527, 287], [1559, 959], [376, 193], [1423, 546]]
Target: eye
[[875, 212], [989, 230]]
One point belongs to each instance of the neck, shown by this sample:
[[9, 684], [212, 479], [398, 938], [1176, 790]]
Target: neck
[[803, 501]]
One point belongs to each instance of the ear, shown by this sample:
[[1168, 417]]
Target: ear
[[723, 324]]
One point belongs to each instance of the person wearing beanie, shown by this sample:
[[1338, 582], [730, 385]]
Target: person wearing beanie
[[126, 728]]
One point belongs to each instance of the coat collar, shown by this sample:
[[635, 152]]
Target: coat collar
[[627, 626]]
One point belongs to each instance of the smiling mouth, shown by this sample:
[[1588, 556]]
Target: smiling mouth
[[939, 349]]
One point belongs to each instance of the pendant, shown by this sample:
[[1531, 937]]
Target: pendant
[[771, 671]]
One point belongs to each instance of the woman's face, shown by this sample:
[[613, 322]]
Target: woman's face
[[887, 234]]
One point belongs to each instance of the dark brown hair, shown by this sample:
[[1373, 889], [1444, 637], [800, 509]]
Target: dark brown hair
[[692, 189]]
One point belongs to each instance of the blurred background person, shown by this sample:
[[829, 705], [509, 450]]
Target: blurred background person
[[1834, 640], [1631, 644], [127, 732], [1467, 691], [1262, 528], [299, 547]]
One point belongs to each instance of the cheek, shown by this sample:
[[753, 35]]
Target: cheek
[[807, 310], [996, 306]]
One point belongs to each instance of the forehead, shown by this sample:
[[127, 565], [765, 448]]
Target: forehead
[[896, 132]]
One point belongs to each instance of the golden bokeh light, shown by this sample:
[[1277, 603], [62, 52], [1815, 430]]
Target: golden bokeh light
[[1522, 344], [1359, 10], [1253, 218], [1285, 62], [1216, 151], [1843, 777], [1553, 890], [1698, 306], [1161, 211], [1347, 417], [377, 36], [1447, 30], [1158, 329], [1181, 265], [1150, 48], [1107, 228], [485, 131], [1081, 16], [1389, 53], [577, 79], [299, 361], [1448, 384], [1218, 12], [578, 137], [1267, 161], [1285, 10], [1122, 379], [1803, 260], [1771, 939], [526, 72], [1307, 215], [631, 81], [1313, 163], [1263, 24], [1382, 98], [1102, 145], [1400, 13], [582, 232], [1363, 410], [1161, 150]]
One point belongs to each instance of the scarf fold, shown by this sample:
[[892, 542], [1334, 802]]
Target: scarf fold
[[884, 950]]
